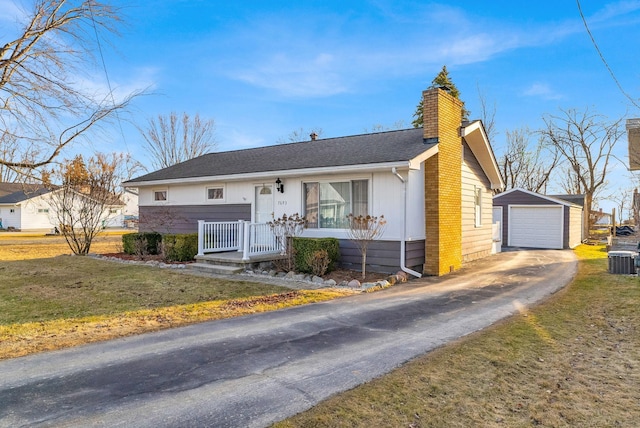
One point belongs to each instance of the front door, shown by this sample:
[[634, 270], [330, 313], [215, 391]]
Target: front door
[[264, 204]]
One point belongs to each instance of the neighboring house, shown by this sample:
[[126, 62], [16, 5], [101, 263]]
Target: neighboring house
[[28, 207], [434, 185], [532, 220], [601, 218]]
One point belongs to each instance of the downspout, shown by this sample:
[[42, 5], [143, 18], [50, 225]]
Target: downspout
[[404, 227]]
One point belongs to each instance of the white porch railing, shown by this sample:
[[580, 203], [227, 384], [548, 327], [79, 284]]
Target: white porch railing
[[251, 239]]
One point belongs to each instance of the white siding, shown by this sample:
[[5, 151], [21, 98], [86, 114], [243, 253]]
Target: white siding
[[385, 198], [10, 219], [37, 214]]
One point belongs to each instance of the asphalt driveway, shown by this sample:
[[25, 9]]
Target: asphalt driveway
[[254, 370]]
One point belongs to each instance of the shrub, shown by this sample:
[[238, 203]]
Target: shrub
[[319, 262], [141, 243], [180, 248], [304, 248]]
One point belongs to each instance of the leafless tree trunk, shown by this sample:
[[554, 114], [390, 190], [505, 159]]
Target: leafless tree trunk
[[488, 116], [81, 203], [41, 104], [362, 230], [584, 140], [524, 167], [172, 139]]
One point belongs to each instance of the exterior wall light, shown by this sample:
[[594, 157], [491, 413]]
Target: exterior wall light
[[279, 185]]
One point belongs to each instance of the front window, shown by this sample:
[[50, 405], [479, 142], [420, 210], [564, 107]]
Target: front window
[[327, 204]]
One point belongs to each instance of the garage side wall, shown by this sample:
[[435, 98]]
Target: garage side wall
[[573, 227]]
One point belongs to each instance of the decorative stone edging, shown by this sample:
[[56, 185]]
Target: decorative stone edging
[[319, 282]]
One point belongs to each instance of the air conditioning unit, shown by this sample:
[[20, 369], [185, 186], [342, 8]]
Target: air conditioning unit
[[622, 262]]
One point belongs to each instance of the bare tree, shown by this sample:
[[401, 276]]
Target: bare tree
[[41, 104], [298, 135], [378, 127], [623, 198], [81, 203], [526, 167], [488, 115], [585, 141], [172, 139], [285, 229], [362, 230]]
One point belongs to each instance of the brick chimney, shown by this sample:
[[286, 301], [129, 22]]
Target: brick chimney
[[442, 115]]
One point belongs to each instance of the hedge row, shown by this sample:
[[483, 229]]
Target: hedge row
[[303, 248], [141, 243], [184, 247], [178, 248]]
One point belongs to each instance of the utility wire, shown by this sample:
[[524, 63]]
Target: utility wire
[[593, 40], [104, 67]]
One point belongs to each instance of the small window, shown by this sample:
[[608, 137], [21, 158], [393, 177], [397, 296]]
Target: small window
[[113, 211], [215, 193], [43, 210], [477, 201], [160, 195]]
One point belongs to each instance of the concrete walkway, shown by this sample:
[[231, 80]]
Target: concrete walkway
[[254, 370]]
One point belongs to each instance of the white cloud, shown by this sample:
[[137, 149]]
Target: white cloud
[[329, 55], [297, 76], [542, 90]]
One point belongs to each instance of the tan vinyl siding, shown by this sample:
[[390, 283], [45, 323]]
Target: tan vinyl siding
[[476, 241], [575, 226]]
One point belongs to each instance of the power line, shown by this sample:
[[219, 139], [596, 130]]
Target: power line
[[593, 40], [104, 67]]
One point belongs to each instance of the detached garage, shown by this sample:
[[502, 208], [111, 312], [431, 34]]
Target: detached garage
[[531, 220]]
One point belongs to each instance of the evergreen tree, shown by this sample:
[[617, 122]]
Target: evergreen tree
[[441, 80]]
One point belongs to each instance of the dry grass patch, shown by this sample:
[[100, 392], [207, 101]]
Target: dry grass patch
[[26, 338], [57, 302], [572, 361], [39, 246]]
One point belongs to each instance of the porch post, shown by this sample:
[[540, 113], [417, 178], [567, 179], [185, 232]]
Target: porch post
[[200, 237], [240, 238], [246, 244]]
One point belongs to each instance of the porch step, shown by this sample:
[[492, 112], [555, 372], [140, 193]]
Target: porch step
[[213, 268]]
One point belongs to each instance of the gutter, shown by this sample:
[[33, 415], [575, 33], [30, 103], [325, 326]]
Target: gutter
[[403, 241]]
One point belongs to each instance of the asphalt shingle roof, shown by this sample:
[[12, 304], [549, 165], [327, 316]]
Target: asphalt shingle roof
[[382, 147], [13, 193]]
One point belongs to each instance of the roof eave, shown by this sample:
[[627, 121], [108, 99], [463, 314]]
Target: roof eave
[[280, 173], [476, 137]]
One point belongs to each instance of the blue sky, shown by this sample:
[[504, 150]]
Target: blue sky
[[262, 69]]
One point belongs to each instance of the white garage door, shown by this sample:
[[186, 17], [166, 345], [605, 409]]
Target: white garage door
[[535, 226]]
